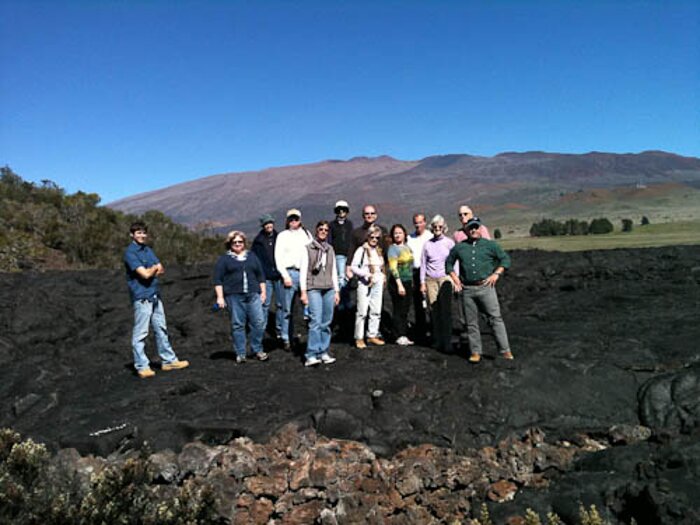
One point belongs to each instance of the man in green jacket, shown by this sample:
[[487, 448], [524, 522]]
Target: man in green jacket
[[482, 263]]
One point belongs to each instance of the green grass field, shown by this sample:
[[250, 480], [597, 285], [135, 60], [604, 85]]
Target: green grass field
[[651, 235]]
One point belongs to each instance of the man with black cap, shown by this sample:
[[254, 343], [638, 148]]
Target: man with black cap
[[264, 248], [482, 263]]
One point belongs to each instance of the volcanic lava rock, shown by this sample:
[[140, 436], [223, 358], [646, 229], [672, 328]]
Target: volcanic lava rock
[[601, 339]]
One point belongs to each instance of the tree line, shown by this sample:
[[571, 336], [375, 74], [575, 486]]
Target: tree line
[[42, 226], [551, 227]]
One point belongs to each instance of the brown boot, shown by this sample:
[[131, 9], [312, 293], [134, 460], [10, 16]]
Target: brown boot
[[146, 373]]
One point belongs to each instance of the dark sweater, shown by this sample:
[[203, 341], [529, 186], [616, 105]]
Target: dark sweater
[[340, 236], [228, 273], [264, 248]]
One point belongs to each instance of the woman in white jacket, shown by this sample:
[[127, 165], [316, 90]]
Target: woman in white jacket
[[290, 250], [368, 265]]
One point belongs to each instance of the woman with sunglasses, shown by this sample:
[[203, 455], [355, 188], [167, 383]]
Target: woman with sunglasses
[[318, 281], [400, 260], [436, 284], [239, 283], [368, 266]]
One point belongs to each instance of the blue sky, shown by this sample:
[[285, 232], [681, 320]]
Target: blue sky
[[122, 97]]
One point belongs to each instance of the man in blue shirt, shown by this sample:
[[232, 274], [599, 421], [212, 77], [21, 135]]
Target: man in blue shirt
[[482, 263], [142, 271]]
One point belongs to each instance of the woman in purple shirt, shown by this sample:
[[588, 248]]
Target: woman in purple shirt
[[436, 284]]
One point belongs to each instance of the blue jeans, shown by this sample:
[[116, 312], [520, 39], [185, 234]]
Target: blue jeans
[[146, 312], [276, 287], [287, 302], [321, 306], [246, 308], [340, 263]]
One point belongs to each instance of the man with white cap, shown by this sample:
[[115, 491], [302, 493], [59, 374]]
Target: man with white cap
[[340, 236], [290, 250]]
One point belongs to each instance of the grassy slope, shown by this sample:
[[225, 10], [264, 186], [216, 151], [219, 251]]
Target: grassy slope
[[651, 235]]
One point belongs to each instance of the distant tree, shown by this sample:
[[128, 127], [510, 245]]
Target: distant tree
[[645, 220], [547, 228], [626, 225], [497, 234], [575, 227], [600, 226]]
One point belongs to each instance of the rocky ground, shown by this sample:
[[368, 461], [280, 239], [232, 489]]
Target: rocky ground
[[600, 406]]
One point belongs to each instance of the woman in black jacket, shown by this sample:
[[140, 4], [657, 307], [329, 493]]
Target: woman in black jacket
[[239, 284]]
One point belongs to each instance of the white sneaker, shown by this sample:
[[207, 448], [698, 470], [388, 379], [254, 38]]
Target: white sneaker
[[312, 361], [327, 359], [404, 341]]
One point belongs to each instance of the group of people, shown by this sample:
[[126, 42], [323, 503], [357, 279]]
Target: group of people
[[424, 268]]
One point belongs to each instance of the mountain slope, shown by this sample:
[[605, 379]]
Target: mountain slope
[[511, 187]]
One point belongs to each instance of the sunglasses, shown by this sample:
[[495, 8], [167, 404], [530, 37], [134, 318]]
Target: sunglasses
[[374, 237], [473, 227], [324, 229], [294, 218]]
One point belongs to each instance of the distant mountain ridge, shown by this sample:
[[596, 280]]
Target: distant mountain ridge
[[511, 187]]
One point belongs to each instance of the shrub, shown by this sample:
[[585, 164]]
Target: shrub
[[38, 221], [497, 234], [33, 491], [600, 226], [626, 225]]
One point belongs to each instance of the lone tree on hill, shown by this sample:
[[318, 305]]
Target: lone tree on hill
[[645, 220], [626, 225]]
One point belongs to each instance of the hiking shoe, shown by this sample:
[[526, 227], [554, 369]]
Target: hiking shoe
[[240, 359], [475, 358], [327, 359], [508, 356], [360, 344], [175, 365], [375, 341], [146, 373], [312, 361], [262, 356]]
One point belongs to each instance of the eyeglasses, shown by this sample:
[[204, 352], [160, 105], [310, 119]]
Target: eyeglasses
[[369, 213]]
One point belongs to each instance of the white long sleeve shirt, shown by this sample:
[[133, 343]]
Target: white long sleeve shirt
[[290, 250]]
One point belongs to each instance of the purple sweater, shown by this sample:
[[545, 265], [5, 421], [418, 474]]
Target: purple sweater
[[435, 252]]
